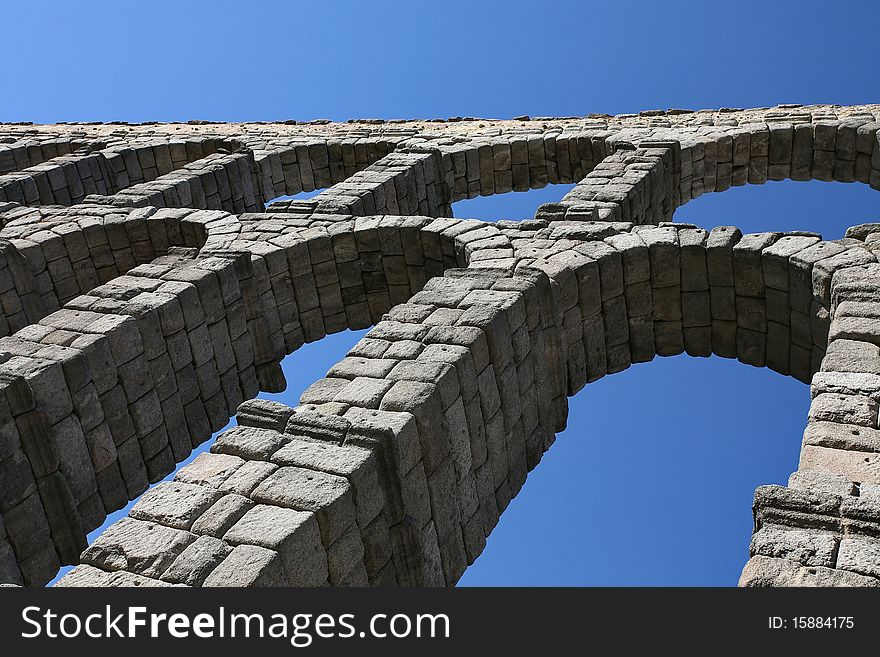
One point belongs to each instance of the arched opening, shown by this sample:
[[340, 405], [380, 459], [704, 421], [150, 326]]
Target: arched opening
[[301, 368], [534, 317], [333, 291], [380, 241], [513, 206], [827, 208], [651, 483], [284, 200], [152, 172]]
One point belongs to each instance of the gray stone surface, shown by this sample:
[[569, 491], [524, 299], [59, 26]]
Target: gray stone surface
[[144, 548], [248, 565], [292, 534], [147, 292], [174, 504]]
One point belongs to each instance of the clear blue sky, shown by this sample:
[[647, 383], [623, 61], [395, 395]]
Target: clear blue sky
[[652, 482]]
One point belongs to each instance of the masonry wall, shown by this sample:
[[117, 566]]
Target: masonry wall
[[482, 357], [140, 318]]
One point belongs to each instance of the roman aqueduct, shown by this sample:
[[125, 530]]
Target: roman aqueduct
[[148, 294]]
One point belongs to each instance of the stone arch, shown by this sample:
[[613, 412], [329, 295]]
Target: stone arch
[[472, 354], [638, 175], [395, 466], [175, 344], [95, 170], [17, 154], [288, 167], [53, 255], [649, 173], [425, 177], [64, 398], [209, 173]]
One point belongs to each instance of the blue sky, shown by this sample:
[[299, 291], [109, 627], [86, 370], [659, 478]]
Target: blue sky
[[652, 482]]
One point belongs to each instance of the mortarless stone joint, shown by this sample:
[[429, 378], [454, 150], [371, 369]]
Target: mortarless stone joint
[[147, 294]]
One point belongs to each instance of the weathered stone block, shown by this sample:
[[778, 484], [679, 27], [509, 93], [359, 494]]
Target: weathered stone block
[[174, 504], [143, 548], [327, 496], [249, 565], [293, 535]]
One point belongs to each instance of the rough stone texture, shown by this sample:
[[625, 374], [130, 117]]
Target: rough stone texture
[[147, 292]]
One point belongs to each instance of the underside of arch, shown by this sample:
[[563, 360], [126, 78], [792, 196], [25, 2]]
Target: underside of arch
[[396, 466]]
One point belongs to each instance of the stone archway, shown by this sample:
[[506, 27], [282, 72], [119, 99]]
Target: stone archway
[[396, 466]]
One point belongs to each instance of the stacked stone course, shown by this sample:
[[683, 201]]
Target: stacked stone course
[[147, 296]]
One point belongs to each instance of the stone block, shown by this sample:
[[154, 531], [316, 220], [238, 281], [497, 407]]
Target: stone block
[[197, 561], [860, 555], [808, 547], [293, 535], [220, 516], [327, 496], [142, 548], [249, 565], [174, 504]]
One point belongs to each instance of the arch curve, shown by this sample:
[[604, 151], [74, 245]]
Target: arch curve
[[395, 466], [474, 352]]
